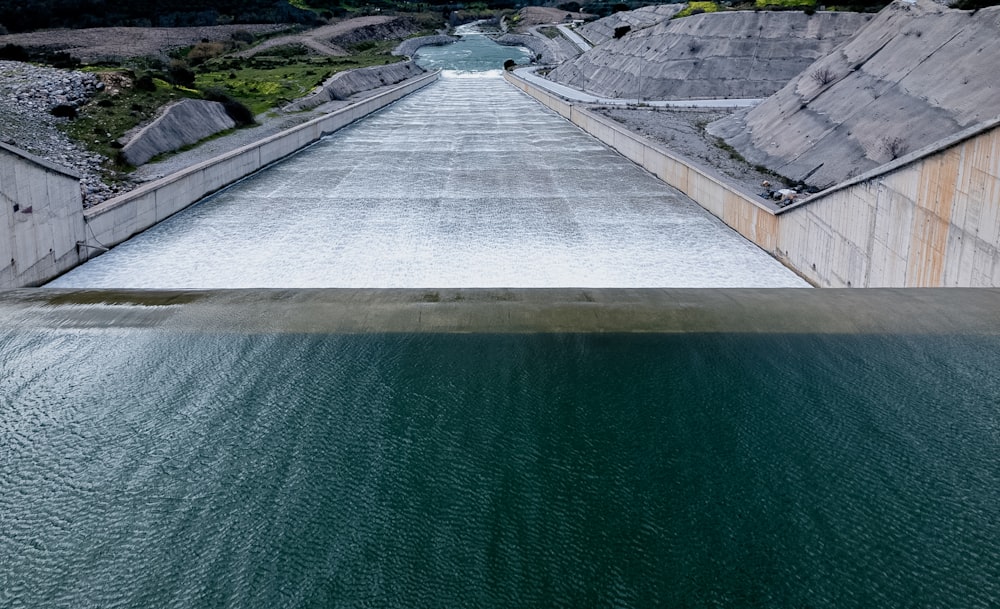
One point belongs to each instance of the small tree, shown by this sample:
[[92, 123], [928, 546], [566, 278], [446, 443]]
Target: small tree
[[181, 74]]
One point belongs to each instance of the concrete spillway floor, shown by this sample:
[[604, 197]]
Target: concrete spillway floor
[[467, 183]]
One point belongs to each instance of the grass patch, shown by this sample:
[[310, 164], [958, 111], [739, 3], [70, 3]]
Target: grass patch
[[262, 83], [100, 123], [551, 32], [785, 4], [696, 8]]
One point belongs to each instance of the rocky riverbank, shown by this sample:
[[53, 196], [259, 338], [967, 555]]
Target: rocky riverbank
[[28, 94]]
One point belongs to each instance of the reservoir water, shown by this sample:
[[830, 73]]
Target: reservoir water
[[231, 450], [435, 447]]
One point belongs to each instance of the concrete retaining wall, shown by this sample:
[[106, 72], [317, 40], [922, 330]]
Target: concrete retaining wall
[[930, 219], [118, 219], [41, 218]]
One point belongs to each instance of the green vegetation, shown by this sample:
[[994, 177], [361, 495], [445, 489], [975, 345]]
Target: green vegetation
[[550, 32], [696, 8], [785, 4], [246, 86], [284, 74], [110, 115]]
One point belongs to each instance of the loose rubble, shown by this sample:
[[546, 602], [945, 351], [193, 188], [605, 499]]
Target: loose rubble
[[28, 93]]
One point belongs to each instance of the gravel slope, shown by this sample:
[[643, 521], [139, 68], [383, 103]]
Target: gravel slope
[[27, 94]]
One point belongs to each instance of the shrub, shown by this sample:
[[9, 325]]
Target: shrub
[[204, 51], [242, 36], [236, 110], [893, 147], [13, 52], [823, 75], [181, 74], [145, 83], [63, 111], [509, 65]]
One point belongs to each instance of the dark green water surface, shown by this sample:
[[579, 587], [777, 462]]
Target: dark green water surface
[[147, 468]]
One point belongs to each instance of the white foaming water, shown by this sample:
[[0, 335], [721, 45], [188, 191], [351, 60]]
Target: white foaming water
[[467, 183]]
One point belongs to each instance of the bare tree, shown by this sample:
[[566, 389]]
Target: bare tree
[[824, 75]]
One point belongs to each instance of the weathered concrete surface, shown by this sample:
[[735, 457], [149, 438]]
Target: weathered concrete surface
[[547, 50], [41, 218], [728, 54], [929, 219], [603, 30], [410, 46], [118, 219], [917, 73], [345, 84], [180, 124], [651, 310]]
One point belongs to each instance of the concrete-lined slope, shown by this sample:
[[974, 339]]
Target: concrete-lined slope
[[342, 85], [180, 124], [732, 54], [917, 73], [603, 30]]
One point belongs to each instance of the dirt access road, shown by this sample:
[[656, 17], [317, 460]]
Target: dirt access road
[[94, 45], [320, 40]]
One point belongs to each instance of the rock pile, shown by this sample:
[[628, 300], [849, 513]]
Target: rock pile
[[28, 94]]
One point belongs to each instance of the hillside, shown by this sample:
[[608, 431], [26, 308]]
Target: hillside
[[916, 73], [739, 54]]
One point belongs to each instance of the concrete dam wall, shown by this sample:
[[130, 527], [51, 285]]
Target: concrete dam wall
[[930, 219], [41, 220], [45, 230]]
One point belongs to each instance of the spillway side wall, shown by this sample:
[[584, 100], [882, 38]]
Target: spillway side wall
[[41, 219], [930, 219], [738, 209], [115, 220]]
